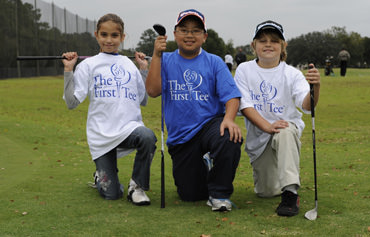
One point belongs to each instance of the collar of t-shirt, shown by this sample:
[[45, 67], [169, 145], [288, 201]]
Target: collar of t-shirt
[[111, 53]]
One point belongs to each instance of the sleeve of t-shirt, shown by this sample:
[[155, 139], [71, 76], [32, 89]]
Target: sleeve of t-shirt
[[141, 87], [242, 83], [69, 88], [300, 90], [81, 80], [226, 86]]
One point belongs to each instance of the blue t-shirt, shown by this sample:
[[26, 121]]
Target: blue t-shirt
[[195, 91]]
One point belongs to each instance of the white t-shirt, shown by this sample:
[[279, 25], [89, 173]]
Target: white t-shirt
[[275, 93], [115, 89]]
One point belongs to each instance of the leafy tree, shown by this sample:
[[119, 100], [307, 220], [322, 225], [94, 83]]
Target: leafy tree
[[146, 43], [171, 46], [214, 44], [312, 47], [229, 47], [366, 52]]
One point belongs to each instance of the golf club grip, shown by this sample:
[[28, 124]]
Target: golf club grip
[[312, 97]]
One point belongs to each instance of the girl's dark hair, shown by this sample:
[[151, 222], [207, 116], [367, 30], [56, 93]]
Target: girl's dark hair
[[111, 17]]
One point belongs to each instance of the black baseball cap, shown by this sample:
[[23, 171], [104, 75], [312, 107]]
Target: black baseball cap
[[270, 25]]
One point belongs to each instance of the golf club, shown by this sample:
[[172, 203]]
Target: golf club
[[312, 214], [22, 58], [161, 31]]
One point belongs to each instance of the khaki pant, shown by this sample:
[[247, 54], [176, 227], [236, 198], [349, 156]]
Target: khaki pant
[[278, 165]]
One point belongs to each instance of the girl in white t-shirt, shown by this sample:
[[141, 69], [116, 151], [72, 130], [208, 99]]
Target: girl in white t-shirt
[[271, 93], [114, 127]]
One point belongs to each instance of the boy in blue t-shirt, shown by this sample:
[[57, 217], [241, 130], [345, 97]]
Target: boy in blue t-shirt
[[201, 100]]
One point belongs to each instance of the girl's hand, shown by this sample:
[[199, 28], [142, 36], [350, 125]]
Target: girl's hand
[[141, 61], [70, 61]]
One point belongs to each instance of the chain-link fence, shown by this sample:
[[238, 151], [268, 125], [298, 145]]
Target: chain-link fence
[[33, 28]]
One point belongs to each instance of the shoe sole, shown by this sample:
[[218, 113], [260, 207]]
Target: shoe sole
[[287, 213], [143, 203], [221, 209]]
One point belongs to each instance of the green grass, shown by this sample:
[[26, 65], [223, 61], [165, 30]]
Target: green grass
[[45, 166]]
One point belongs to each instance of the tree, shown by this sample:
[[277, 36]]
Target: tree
[[214, 44], [229, 47], [366, 52], [146, 43], [312, 47]]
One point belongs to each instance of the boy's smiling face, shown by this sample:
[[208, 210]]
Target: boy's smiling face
[[190, 36], [268, 48]]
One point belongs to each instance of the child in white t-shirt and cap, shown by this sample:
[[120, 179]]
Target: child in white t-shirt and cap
[[271, 93]]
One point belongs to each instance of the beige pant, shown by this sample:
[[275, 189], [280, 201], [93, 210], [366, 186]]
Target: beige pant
[[278, 165]]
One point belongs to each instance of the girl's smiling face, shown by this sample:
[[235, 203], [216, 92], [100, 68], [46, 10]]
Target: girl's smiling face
[[109, 37]]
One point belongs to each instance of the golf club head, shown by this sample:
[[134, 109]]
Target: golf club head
[[159, 29], [311, 214]]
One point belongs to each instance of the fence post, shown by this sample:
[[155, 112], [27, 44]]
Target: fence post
[[37, 40], [17, 38]]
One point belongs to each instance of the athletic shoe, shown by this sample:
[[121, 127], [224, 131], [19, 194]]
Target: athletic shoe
[[208, 161], [289, 205], [93, 184], [136, 195], [222, 205]]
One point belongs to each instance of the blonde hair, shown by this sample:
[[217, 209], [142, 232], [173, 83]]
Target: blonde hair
[[274, 36], [111, 17]]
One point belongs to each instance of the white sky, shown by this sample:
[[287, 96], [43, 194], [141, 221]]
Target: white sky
[[232, 19]]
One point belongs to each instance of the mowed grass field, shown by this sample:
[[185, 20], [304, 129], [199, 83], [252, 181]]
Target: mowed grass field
[[45, 166]]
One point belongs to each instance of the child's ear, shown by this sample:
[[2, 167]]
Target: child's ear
[[123, 37]]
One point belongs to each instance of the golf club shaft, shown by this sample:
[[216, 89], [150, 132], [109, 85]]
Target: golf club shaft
[[312, 102], [59, 57], [161, 31]]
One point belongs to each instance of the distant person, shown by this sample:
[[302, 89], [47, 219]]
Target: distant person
[[114, 128], [229, 61], [201, 100], [240, 57], [343, 57], [271, 93]]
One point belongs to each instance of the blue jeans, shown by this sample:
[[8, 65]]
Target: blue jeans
[[143, 140]]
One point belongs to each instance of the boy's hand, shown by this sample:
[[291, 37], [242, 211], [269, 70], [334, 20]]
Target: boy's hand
[[277, 125], [141, 61], [70, 61], [160, 45], [234, 130], [313, 75]]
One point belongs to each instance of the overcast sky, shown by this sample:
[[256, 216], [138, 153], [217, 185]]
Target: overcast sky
[[232, 19]]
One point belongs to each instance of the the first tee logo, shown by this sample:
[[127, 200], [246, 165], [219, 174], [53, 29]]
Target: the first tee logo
[[264, 98], [114, 84], [190, 90]]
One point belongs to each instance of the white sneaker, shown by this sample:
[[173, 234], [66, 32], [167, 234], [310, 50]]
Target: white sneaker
[[222, 205], [136, 195]]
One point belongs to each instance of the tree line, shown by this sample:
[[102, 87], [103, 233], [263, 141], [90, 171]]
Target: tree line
[[22, 33], [313, 47]]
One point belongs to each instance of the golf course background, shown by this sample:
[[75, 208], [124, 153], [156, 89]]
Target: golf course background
[[45, 167]]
